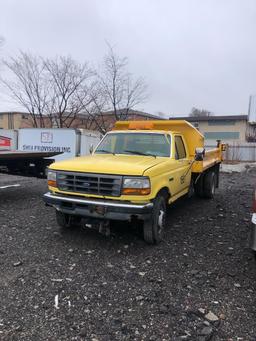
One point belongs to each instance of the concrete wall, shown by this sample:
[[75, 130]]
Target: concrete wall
[[227, 131], [11, 120]]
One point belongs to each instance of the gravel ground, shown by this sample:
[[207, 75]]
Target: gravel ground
[[79, 285]]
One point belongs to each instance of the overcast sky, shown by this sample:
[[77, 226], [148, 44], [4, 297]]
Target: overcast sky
[[198, 53]]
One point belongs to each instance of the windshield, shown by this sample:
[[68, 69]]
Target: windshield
[[148, 144]]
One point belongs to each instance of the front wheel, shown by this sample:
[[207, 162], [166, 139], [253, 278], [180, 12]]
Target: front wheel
[[154, 228]]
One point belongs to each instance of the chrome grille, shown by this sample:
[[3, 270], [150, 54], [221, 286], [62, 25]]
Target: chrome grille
[[100, 184]]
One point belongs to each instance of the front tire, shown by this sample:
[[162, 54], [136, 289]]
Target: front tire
[[154, 228]]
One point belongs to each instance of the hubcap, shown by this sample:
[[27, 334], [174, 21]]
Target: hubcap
[[213, 187], [161, 219]]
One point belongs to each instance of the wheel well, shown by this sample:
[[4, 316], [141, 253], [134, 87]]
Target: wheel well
[[215, 169], [165, 192]]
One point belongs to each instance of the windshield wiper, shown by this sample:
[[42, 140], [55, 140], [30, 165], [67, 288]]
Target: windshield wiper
[[104, 151], [136, 152]]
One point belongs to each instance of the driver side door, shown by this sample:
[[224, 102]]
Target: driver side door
[[182, 164]]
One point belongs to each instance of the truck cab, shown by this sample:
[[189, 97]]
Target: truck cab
[[136, 170]]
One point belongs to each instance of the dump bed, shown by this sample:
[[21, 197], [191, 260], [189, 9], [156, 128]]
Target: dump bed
[[193, 137]]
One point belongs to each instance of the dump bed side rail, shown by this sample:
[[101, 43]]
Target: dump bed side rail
[[211, 158]]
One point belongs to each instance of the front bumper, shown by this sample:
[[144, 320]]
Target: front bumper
[[253, 233], [97, 208]]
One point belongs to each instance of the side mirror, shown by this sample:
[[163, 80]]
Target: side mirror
[[91, 148], [199, 154]]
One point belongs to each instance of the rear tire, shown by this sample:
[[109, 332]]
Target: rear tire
[[199, 186], [209, 184], [154, 228], [191, 190], [67, 221]]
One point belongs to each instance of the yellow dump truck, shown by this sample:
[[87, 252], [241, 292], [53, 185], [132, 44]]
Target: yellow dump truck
[[136, 170]]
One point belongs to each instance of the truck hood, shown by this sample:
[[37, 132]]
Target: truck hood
[[109, 164]]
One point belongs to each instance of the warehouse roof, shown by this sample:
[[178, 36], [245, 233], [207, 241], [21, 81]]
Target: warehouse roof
[[211, 118]]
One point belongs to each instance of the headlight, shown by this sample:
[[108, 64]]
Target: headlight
[[136, 186], [51, 177]]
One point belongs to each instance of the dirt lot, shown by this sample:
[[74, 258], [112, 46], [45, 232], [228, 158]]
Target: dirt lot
[[80, 285]]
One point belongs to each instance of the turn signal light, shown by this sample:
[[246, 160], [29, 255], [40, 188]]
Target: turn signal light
[[136, 191], [52, 183]]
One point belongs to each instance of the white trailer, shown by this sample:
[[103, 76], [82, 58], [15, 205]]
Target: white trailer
[[8, 139], [68, 142], [29, 151]]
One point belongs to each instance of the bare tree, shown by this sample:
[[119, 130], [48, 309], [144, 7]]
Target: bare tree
[[70, 88], [195, 112], [113, 94], [53, 91], [95, 114], [120, 91], [57, 91], [28, 85]]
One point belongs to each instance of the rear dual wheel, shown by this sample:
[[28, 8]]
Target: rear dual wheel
[[209, 185], [199, 186], [206, 184], [154, 228]]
